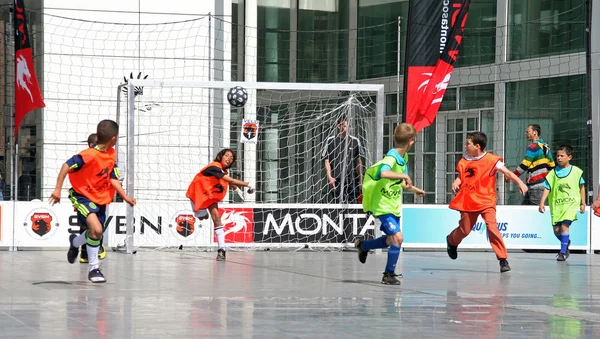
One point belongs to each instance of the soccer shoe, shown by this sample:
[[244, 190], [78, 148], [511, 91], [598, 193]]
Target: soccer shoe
[[561, 257], [96, 276], [83, 258], [102, 253], [221, 255], [504, 266], [362, 254], [390, 279], [568, 252], [452, 250], [73, 251]]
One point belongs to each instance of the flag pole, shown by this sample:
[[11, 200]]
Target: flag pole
[[13, 140]]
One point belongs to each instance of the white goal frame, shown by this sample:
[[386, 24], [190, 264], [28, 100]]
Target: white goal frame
[[249, 156]]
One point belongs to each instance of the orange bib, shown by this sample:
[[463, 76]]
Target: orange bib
[[93, 179], [207, 190], [478, 184]]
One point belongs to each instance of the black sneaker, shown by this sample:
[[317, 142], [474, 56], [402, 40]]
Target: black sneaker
[[452, 250], [568, 252], [561, 257], [73, 251], [83, 257], [504, 266], [362, 254], [390, 279], [96, 276], [221, 255], [101, 252]]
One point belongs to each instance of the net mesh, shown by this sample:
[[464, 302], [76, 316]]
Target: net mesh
[[177, 133]]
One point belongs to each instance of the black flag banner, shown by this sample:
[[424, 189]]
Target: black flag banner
[[435, 29], [28, 95]]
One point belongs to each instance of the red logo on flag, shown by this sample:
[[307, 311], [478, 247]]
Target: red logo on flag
[[27, 89], [238, 224]]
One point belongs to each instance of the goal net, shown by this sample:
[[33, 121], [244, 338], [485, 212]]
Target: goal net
[[289, 138]]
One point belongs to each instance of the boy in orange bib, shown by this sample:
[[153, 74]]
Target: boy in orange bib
[[476, 187], [94, 179], [209, 187]]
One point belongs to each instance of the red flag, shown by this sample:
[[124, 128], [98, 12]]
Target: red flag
[[27, 90], [435, 30]]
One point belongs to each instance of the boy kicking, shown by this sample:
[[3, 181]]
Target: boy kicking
[[94, 180], [382, 197], [565, 187], [476, 187]]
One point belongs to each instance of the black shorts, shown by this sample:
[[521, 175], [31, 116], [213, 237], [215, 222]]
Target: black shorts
[[85, 207]]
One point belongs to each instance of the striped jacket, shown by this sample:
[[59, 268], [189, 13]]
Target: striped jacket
[[537, 163]]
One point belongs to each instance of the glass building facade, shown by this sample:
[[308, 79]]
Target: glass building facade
[[507, 75], [520, 63]]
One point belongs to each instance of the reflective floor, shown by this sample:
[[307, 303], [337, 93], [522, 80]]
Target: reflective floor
[[299, 295]]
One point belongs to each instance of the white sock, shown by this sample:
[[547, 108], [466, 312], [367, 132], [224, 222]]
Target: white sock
[[93, 256], [220, 237], [80, 240]]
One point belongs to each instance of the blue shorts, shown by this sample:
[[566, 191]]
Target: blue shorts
[[564, 222], [390, 224], [85, 207]]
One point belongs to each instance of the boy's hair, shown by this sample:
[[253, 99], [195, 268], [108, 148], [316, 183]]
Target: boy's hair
[[106, 130], [341, 119], [478, 138], [536, 128], [220, 155], [92, 139], [404, 133], [565, 148]]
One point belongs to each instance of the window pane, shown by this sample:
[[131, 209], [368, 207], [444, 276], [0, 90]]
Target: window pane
[[429, 199], [429, 138], [459, 142], [450, 142], [479, 38], [234, 40], [546, 27], [449, 102], [477, 97], [487, 127], [471, 124], [391, 104], [378, 37], [323, 41], [429, 172], [273, 40], [459, 125], [450, 164]]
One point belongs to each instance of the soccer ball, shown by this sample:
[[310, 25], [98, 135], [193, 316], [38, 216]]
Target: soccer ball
[[237, 96]]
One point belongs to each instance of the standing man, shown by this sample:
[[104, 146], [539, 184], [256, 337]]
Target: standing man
[[537, 163], [349, 168]]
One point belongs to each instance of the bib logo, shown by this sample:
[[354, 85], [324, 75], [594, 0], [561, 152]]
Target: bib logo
[[238, 224], [185, 224], [41, 224]]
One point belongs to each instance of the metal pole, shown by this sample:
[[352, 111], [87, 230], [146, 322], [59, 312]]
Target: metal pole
[[379, 116], [130, 167], [398, 108], [347, 116], [14, 145], [210, 91], [119, 90]]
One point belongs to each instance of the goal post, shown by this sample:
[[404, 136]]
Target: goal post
[[170, 130]]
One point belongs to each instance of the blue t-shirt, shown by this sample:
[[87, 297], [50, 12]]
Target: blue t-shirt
[[399, 159], [562, 172]]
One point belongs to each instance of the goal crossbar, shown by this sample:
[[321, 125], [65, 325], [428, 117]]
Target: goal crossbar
[[258, 85]]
